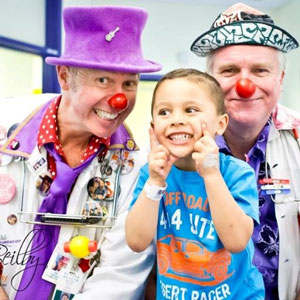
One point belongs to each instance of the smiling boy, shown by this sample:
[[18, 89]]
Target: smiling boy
[[200, 250]]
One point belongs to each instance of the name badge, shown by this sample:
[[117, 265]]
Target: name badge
[[272, 186]]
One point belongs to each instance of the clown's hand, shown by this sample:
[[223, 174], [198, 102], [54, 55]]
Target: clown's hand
[[206, 154], [241, 7], [234, 12]]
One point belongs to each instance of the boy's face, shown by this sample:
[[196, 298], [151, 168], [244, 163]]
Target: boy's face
[[180, 107]]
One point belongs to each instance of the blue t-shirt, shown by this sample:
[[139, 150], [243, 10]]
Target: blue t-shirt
[[192, 262]]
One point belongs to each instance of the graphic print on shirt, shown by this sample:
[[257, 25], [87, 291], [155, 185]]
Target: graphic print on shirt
[[192, 262], [189, 261], [185, 257]]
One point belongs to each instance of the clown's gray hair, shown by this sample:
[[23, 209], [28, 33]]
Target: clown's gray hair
[[282, 61]]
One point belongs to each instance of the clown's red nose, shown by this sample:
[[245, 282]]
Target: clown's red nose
[[118, 101], [245, 87]]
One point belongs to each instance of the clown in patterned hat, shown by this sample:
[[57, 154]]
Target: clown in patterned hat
[[245, 52]]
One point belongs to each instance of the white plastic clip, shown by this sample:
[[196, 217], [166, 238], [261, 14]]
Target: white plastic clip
[[111, 35]]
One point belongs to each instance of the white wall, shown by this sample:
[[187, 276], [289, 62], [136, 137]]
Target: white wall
[[173, 26], [20, 73], [23, 20], [287, 17]]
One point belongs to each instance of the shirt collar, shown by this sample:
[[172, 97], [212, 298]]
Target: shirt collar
[[285, 118], [48, 131], [258, 149]]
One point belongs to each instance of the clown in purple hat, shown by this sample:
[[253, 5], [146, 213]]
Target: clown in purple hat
[[245, 52], [73, 139]]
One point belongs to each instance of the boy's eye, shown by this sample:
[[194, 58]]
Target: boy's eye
[[163, 112], [191, 110]]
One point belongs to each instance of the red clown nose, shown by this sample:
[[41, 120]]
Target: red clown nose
[[245, 87], [118, 101]]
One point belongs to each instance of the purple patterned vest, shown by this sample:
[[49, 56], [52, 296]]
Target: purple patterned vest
[[265, 235]]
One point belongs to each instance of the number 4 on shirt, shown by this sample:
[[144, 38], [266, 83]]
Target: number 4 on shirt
[[175, 219]]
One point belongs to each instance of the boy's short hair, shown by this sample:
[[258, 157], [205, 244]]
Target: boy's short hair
[[209, 83]]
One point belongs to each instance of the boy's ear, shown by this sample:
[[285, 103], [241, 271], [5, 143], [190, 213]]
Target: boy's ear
[[223, 122], [152, 124]]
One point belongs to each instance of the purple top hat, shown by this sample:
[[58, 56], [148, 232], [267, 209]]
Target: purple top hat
[[104, 37]]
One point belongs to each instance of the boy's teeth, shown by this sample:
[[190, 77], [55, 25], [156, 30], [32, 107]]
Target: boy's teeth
[[180, 137], [105, 115]]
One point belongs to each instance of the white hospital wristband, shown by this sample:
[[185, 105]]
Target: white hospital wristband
[[154, 192]]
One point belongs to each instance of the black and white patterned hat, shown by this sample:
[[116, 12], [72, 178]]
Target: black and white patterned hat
[[239, 27]]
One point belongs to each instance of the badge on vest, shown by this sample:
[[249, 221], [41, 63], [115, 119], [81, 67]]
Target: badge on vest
[[272, 186], [7, 188], [69, 268]]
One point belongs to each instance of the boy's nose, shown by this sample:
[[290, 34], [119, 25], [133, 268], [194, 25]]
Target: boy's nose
[[177, 120]]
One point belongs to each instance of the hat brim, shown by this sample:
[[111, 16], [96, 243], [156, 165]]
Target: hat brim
[[147, 66], [244, 32]]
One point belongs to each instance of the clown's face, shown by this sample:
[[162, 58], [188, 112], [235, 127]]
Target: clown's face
[[261, 65], [88, 92]]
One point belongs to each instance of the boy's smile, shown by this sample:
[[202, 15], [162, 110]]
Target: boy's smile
[[180, 137]]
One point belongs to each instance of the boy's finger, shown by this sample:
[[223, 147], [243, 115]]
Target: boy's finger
[[205, 132], [170, 162], [153, 140], [172, 159]]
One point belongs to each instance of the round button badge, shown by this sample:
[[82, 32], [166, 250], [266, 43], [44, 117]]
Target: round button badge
[[12, 219], [7, 188]]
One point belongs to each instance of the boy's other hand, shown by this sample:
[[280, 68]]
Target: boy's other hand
[[160, 161], [206, 153]]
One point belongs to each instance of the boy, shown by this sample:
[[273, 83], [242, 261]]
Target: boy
[[205, 221]]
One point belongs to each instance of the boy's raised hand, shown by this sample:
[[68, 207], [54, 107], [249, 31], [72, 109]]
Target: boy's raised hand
[[206, 153], [160, 161]]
